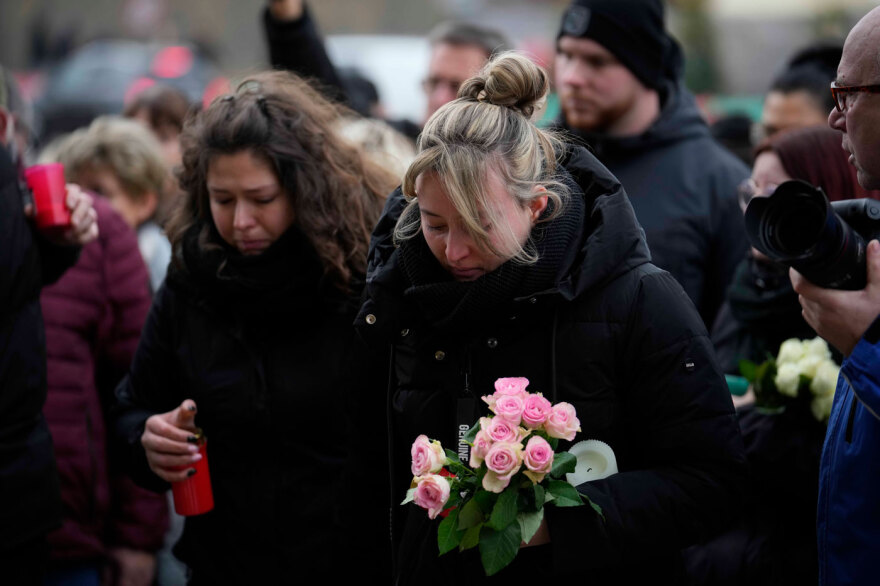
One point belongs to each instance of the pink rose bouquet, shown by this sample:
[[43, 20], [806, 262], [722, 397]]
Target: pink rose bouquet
[[497, 500]]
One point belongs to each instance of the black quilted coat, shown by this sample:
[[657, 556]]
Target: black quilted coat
[[593, 323]]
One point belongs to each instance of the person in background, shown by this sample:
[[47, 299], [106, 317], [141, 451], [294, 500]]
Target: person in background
[[382, 143], [250, 339], [849, 514], [509, 253], [734, 132], [93, 315], [774, 543], [620, 84], [162, 109], [761, 310], [120, 160], [30, 504], [799, 96], [458, 51]]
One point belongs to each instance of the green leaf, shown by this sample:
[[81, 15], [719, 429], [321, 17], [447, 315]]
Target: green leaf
[[454, 500], [471, 538], [563, 463], [595, 507], [504, 512], [410, 495], [564, 494], [448, 533], [485, 499], [748, 369], [471, 435], [529, 523], [471, 515], [459, 469], [452, 457], [498, 548], [540, 495]]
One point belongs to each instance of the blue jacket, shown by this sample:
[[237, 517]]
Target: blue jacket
[[849, 476]]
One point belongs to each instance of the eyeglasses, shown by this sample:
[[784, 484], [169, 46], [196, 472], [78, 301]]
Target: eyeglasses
[[839, 93], [749, 189]]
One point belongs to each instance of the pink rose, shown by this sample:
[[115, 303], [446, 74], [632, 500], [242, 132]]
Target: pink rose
[[536, 409], [427, 456], [432, 493], [500, 429], [538, 458], [511, 386], [563, 422], [503, 461], [509, 407], [482, 443], [508, 387]]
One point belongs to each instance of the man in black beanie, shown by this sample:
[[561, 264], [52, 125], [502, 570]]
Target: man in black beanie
[[619, 78]]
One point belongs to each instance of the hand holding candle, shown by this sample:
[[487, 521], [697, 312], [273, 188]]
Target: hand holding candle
[[170, 442]]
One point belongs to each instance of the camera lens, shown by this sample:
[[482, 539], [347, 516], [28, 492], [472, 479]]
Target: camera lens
[[798, 227]]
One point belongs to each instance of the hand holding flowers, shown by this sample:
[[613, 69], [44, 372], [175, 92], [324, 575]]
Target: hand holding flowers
[[497, 501]]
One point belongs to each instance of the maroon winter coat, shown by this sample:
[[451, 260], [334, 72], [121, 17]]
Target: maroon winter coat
[[93, 316]]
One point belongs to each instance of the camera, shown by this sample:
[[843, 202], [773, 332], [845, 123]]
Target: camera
[[826, 242]]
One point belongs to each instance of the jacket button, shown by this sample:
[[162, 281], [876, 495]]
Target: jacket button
[[439, 355], [404, 332], [370, 319], [492, 343]]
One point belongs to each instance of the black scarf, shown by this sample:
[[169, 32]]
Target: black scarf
[[286, 279], [448, 304]]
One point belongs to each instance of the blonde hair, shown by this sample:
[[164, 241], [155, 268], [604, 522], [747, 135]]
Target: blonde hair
[[123, 147], [379, 141], [489, 127]]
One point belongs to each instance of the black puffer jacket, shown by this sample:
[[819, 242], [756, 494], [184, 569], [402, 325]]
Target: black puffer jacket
[[611, 334], [265, 347]]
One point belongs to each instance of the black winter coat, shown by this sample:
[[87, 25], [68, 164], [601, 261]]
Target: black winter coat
[[613, 335], [682, 185], [267, 351], [30, 502]]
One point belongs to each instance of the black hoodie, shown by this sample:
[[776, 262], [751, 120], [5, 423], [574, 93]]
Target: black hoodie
[[611, 334], [682, 185]]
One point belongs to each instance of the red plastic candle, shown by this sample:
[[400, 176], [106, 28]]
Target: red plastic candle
[[194, 496]]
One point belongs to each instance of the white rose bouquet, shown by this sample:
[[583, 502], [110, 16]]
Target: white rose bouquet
[[802, 371], [497, 500]]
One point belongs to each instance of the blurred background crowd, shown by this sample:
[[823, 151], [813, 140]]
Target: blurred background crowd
[[74, 59], [104, 86]]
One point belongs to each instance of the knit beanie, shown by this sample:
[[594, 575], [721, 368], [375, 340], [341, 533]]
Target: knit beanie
[[632, 30]]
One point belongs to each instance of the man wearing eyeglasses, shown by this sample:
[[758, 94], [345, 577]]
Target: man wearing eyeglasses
[[619, 78], [849, 477]]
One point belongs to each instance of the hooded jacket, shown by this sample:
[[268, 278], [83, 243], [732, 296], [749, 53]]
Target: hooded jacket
[[682, 186], [611, 334]]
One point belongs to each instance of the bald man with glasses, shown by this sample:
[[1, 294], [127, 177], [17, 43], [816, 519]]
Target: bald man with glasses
[[849, 477]]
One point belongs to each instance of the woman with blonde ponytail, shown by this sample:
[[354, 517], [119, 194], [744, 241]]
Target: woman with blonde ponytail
[[509, 253]]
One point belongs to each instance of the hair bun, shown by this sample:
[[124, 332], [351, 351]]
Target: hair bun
[[510, 79]]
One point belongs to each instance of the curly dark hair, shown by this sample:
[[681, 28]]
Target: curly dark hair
[[336, 191]]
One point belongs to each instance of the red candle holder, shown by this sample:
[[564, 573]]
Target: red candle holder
[[194, 496]]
